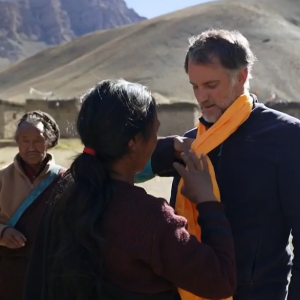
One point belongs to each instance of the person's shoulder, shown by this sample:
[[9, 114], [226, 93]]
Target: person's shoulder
[[277, 118], [140, 195], [138, 199], [5, 170], [61, 171], [6, 173], [60, 177], [156, 208], [283, 129], [284, 126]]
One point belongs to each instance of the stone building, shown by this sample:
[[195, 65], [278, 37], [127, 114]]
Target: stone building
[[10, 113]]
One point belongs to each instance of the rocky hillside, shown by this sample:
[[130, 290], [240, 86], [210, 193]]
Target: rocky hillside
[[289, 9], [28, 26], [152, 52]]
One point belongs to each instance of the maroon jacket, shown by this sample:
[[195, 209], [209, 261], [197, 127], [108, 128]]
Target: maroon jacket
[[148, 252]]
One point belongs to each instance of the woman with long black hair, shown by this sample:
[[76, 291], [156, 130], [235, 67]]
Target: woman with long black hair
[[104, 238]]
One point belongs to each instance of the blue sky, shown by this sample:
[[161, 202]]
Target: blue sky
[[154, 8]]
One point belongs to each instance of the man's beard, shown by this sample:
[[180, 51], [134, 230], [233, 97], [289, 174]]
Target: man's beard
[[218, 109], [212, 118]]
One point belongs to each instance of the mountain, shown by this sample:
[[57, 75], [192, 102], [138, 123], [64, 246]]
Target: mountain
[[289, 9], [152, 52], [28, 26]]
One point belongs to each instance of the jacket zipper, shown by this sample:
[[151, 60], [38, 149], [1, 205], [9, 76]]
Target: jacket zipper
[[219, 161], [221, 149], [254, 263]]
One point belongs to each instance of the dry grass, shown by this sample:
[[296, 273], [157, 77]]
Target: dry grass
[[69, 144], [152, 52]]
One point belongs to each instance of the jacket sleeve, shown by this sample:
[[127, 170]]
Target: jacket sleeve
[[206, 269], [161, 162], [289, 189], [163, 157]]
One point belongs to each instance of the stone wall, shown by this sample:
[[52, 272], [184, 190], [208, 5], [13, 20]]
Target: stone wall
[[10, 113], [177, 118], [290, 108], [63, 111]]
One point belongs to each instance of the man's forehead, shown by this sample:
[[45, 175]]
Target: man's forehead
[[214, 64], [205, 72]]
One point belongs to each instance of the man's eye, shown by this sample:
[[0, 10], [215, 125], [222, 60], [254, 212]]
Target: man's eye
[[212, 86]]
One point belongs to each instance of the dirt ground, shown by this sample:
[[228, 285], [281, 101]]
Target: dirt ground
[[64, 154]]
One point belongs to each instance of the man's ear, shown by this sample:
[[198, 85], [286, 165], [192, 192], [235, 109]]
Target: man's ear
[[242, 76]]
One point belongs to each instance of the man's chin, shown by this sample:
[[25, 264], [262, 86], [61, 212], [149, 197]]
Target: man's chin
[[210, 119]]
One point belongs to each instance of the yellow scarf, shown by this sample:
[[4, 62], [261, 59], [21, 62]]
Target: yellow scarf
[[208, 139]]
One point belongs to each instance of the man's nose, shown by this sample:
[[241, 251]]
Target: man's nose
[[201, 96]]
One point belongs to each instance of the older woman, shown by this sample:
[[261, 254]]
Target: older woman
[[25, 185]]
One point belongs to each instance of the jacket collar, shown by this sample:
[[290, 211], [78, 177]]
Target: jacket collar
[[46, 166]]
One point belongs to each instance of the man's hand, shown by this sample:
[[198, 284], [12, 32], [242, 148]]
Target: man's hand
[[181, 144], [12, 238]]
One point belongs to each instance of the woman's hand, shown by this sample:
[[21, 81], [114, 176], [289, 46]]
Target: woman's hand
[[197, 184], [12, 238]]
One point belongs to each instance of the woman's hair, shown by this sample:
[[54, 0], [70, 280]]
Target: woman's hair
[[51, 133], [112, 113]]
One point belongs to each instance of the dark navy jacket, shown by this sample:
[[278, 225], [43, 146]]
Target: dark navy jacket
[[258, 173]]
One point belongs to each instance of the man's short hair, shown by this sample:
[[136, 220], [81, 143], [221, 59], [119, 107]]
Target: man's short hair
[[231, 48]]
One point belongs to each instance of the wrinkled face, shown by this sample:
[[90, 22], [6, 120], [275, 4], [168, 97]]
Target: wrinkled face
[[144, 149], [214, 89], [32, 143]]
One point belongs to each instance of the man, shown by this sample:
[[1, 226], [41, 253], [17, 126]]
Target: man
[[257, 167]]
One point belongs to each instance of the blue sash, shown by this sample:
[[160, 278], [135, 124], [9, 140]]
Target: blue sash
[[34, 195]]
